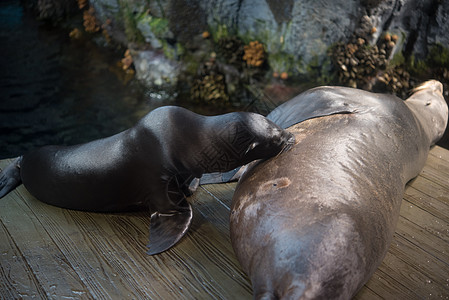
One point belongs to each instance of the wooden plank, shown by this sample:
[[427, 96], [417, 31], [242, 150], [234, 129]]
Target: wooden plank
[[93, 249], [16, 278], [434, 176], [440, 166], [220, 253], [212, 208], [108, 252], [430, 223], [418, 257], [367, 294], [44, 258], [74, 239], [407, 275], [434, 206], [437, 172], [221, 192], [434, 270], [384, 286], [190, 270], [50, 252], [434, 190], [440, 153], [436, 247]]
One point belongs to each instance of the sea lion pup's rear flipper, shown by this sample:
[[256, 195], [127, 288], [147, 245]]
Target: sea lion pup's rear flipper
[[166, 229], [10, 177], [171, 216]]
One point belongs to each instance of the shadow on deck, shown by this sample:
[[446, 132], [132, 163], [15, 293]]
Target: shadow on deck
[[48, 252]]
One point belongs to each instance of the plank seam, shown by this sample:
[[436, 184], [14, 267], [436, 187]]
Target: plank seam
[[216, 198], [40, 289]]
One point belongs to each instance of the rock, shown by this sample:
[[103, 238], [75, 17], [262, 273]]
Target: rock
[[52, 10], [187, 19], [255, 25], [144, 25], [154, 69], [106, 8], [439, 26], [419, 23], [303, 31], [315, 27]]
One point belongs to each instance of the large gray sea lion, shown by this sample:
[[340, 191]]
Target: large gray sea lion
[[150, 164], [316, 222]]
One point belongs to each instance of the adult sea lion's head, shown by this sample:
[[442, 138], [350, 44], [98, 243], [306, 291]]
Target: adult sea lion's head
[[428, 104]]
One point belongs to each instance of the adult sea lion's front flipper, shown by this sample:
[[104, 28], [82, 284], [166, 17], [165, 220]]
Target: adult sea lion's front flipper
[[166, 229], [314, 103]]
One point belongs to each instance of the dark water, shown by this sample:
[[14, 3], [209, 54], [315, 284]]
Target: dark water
[[54, 90], [57, 90]]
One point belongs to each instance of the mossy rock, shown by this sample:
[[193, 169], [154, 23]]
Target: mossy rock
[[129, 16], [438, 56]]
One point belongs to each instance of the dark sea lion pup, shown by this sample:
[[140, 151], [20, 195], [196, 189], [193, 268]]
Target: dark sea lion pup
[[316, 222], [149, 164]]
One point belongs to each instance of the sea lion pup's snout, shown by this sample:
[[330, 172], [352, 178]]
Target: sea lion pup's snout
[[268, 139]]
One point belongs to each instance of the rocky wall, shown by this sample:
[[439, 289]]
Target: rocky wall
[[296, 34]]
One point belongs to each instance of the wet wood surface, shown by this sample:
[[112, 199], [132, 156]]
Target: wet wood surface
[[49, 252]]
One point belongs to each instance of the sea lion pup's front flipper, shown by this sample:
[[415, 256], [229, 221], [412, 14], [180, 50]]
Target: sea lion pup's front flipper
[[10, 177], [171, 220], [231, 176], [218, 177]]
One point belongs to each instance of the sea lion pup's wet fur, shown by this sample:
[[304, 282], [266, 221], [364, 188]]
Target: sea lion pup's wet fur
[[316, 222], [150, 164]]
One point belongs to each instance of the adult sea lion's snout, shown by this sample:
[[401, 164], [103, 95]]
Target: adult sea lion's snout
[[428, 104]]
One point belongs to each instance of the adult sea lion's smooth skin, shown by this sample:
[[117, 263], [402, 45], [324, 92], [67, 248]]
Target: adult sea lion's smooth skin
[[150, 164], [316, 221]]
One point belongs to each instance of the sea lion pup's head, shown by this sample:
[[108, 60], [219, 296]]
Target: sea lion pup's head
[[266, 138], [430, 108]]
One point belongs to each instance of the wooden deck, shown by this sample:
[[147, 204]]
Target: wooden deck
[[48, 252]]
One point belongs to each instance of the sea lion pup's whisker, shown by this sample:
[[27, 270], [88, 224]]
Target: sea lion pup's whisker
[[290, 143], [285, 149]]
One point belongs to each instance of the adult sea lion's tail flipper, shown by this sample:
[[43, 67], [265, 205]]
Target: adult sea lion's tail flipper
[[166, 229], [10, 177]]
